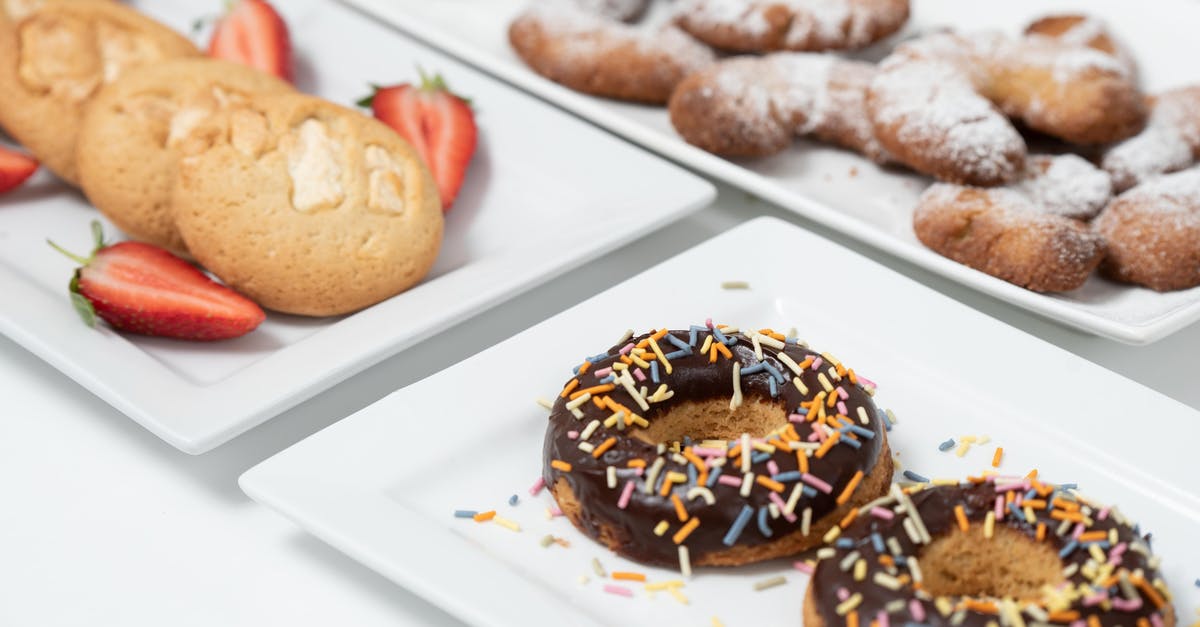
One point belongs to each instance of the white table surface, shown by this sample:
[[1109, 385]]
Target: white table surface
[[101, 523]]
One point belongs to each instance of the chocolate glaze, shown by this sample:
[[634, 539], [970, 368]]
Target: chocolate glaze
[[936, 508], [695, 379]]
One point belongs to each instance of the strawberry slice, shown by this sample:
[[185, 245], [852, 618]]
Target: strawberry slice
[[15, 168], [438, 123], [144, 289], [252, 33]]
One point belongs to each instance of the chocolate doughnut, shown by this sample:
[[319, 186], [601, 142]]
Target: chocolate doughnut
[[645, 450], [994, 551]]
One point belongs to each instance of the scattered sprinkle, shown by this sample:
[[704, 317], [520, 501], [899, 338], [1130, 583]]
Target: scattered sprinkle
[[735, 285], [779, 580]]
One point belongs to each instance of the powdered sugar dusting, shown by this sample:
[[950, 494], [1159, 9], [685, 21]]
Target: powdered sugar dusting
[[810, 25], [1170, 141], [623, 10], [1174, 195], [778, 88], [1065, 185]]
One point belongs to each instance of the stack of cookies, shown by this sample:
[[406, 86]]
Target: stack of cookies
[[305, 206]]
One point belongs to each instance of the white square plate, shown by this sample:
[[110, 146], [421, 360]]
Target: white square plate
[[840, 189], [536, 167], [382, 485]]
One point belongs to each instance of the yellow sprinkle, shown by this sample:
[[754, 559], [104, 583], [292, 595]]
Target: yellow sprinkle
[[716, 622], [661, 357], [963, 448], [860, 570], [677, 595], [799, 384], [770, 583], [989, 525], [508, 524], [832, 534], [735, 285], [849, 604], [661, 527], [824, 382], [545, 403], [943, 605]]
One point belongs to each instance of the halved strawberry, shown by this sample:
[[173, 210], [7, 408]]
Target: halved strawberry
[[252, 33], [144, 289], [15, 168], [439, 124]]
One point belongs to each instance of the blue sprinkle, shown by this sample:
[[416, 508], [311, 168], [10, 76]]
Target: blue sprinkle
[[861, 431], [808, 491], [901, 560], [465, 513], [691, 473], [774, 373], [1030, 494], [717, 334], [1050, 501], [687, 441], [599, 357], [692, 334], [791, 340], [712, 476], [1198, 583], [730, 341], [679, 354], [654, 372], [756, 368], [947, 445], [912, 476], [1100, 543], [1069, 549], [803, 411], [912, 624], [759, 457], [1068, 486], [512, 500], [844, 543], [680, 344], [850, 443], [609, 379], [1016, 511], [738, 525], [762, 522], [887, 420], [787, 477], [877, 543], [774, 387], [658, 481]]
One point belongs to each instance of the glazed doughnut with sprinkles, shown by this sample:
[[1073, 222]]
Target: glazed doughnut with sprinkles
[[714, 446]]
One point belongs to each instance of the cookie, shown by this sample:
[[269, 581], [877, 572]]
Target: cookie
[[307, 207], [55, 59], [1153, 233], [133, 129], [769, 25], [1169, 143], [1083, 30]]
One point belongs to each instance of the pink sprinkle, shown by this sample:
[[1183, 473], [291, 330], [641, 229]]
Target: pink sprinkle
[[795, 418], [603, 372], [815, 482], [730, 480], [916, 610], [1020, 500], [779, 502], [999, 508], [1117, 552], [842, 393], [817, 434], [772, 468], [1156, 620], [1095, 599], [1078, 623], [842, 408], [803, 567], [1009, 487], [865, 381], [639, 375], [1079, 529], [1127, 605], [708, 322], [881, 619], [708, 452], [625, 494], [843, 593], [618, 590], [626, 348], [555, 511], [537, 486], [817, 363], [882, 512], [639, 471], [1103, 513], [572, 435]]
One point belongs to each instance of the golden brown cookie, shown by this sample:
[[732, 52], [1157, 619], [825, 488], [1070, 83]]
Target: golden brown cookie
[[132, 130], [768, 25], [307, 207], [1027, 233], [604, 57], [940, 103], [56, 58], [755, 106], [1083, 30], [1153, 233], [1169, 143]]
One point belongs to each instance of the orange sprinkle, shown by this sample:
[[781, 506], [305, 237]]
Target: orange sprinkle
[[850, 517], [1035, 503], [841, 370], [570, 386], [1059, 514], [692, 457], [712, 353], [851, 486], [724, 350], [583, 368], [769, 483], [1070, 506], [1093, 621], [808, 361], [831, 400], [985, 607], [1093, 536], [594, 390], [686, 530], [559, 464], [625, 359], [997, 457], [853, 377], [852, 618], [599, 401], [828, 444], [1009, 498], [1041, 531], [1032, 474], [604, 446], [636, 463], [887, 560], [1143, 622], [1148, 590], [657, 335], [680, 510], [1064, 616], [961, 516], [627, 576], [484, 516], [734, 452], [666, 486], [802, 459]]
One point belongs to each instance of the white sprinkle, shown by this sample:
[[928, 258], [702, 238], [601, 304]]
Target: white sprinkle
[[625, 337], [598, 569], [583, 398], [735, 285], [747, 484], [758, 354], [586, 447], [589, 429], [627, 382], [800, 385], [545, 403], [915, 569], [652, 475], [805, 521], [745, 448], [611, 476], [736, 401], [793, 499], [790, 363], [685, 562]]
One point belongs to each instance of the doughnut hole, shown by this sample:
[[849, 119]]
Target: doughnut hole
[[713, 420], [1008, 565]]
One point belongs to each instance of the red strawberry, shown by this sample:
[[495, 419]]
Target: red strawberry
[[439, 124], [144, 289], [252, 33], [15, 167]]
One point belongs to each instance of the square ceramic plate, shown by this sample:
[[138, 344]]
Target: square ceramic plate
[[842, 190], [536, 165], [382, 485]]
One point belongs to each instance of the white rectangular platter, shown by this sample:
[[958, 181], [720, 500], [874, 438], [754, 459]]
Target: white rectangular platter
[[844, 191], [383, 484], [536, 166]]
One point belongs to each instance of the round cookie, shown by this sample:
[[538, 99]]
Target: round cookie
[[55, 59], [1083, 30], [1169, 143], [799, 25], [132, 132], [307, 207], [1153, 233]]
